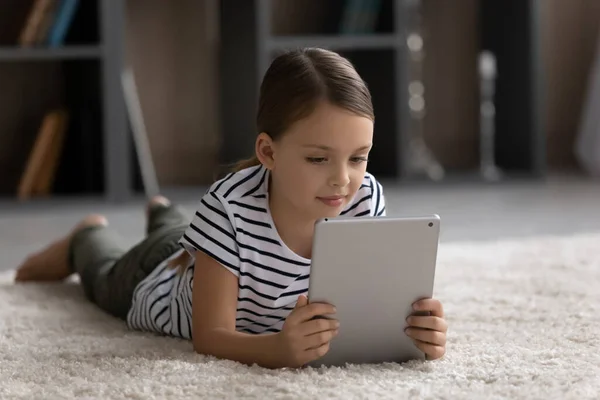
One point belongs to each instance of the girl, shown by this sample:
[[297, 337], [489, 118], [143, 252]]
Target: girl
[[234, 279]]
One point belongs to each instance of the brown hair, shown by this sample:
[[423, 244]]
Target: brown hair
[[293, 86]]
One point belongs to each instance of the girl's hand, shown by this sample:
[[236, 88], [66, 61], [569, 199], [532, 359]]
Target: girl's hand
[[428, 332], [305, 338]]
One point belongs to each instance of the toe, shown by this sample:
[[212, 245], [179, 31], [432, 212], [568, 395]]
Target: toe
[[158, 200], [22, 273], [92, 220], [18, 275], [95, 219]]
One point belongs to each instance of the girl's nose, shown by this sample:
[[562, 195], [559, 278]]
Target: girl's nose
[[340, 177]]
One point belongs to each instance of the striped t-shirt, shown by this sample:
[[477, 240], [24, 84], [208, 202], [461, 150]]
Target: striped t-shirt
[[233, 225]]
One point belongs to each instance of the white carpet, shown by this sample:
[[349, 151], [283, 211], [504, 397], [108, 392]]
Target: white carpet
[[523, 315]]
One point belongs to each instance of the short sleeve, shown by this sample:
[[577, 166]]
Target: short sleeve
[[377, 199], [212, 232]]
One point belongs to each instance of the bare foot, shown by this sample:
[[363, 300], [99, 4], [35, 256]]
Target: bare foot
[[51, 263], [155, 201]]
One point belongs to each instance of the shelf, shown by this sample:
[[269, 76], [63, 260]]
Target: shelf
[[346, 42], [252, 32], [61, 53]]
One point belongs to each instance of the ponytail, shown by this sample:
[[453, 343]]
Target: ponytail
[[243, 164]]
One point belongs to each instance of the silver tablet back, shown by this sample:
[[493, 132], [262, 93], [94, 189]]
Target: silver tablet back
[[372, 270]]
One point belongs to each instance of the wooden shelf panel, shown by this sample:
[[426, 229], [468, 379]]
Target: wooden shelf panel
[[52, 54], [345, 42]]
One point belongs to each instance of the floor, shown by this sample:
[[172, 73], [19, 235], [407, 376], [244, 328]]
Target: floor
[[469, 211], [523, 324]]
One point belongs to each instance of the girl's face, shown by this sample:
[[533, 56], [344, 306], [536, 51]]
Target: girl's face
[[320, 162]]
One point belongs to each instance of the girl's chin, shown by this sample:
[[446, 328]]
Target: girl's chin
[[330, 213]]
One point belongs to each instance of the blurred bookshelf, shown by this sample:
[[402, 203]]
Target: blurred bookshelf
[[252, 34], [63, 58], [82, 75]]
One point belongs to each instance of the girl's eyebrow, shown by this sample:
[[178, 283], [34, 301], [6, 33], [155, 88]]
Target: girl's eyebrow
[[327, 148]]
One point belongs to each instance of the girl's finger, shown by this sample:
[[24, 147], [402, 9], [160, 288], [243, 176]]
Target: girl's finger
[[434, 306], [318, 325], [319, 339], [427, 335], [434, 323], [433, 352]]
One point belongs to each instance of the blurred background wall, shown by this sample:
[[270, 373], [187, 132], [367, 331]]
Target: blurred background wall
[[173, 47]]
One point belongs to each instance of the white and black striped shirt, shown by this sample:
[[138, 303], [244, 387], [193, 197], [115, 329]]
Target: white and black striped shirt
[[234, 226]]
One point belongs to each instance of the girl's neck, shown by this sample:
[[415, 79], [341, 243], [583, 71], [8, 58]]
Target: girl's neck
[[293, 228]]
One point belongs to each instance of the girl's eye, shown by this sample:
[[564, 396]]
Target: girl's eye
[[316, 160], [358, 160]]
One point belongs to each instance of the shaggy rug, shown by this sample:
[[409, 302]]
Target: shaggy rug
[[523, 315]]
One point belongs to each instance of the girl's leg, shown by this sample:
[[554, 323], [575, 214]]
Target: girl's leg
[[90, 250], [94, 254], [52, 262], [111, 281], [109, 273]]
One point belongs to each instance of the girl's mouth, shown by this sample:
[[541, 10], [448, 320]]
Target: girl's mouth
[[332, 201]]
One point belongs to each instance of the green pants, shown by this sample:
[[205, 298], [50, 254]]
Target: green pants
[[109, 272]]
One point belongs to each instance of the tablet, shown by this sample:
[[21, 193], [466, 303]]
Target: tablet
[[372, 269]]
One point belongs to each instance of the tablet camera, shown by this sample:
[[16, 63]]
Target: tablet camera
[[430, 224]]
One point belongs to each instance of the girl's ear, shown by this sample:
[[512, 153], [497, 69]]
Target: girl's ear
[[264, 149]]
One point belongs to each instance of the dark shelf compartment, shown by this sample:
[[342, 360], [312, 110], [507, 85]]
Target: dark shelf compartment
[[313, 20], [81, 167], [376, 67], [29, 90], [510, 29]]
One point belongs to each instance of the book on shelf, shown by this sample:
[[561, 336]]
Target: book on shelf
[[34, 22], [48, 23], [40, 171]]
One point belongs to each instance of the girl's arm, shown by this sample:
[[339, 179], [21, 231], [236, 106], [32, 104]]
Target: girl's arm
[[214, 306]]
